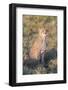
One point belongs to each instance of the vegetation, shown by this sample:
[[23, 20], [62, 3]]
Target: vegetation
[[30, 31]]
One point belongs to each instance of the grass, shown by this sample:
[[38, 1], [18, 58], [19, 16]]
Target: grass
[[35, 67], [30, 31]]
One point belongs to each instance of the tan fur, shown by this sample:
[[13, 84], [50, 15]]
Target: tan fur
[[35, 50], [36, 47]]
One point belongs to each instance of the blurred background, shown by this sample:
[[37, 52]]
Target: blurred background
[[31, 23]]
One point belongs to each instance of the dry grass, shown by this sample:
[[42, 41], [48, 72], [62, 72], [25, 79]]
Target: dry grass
[[30, 32]]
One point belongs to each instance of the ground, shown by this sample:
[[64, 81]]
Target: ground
[[35, 67]]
